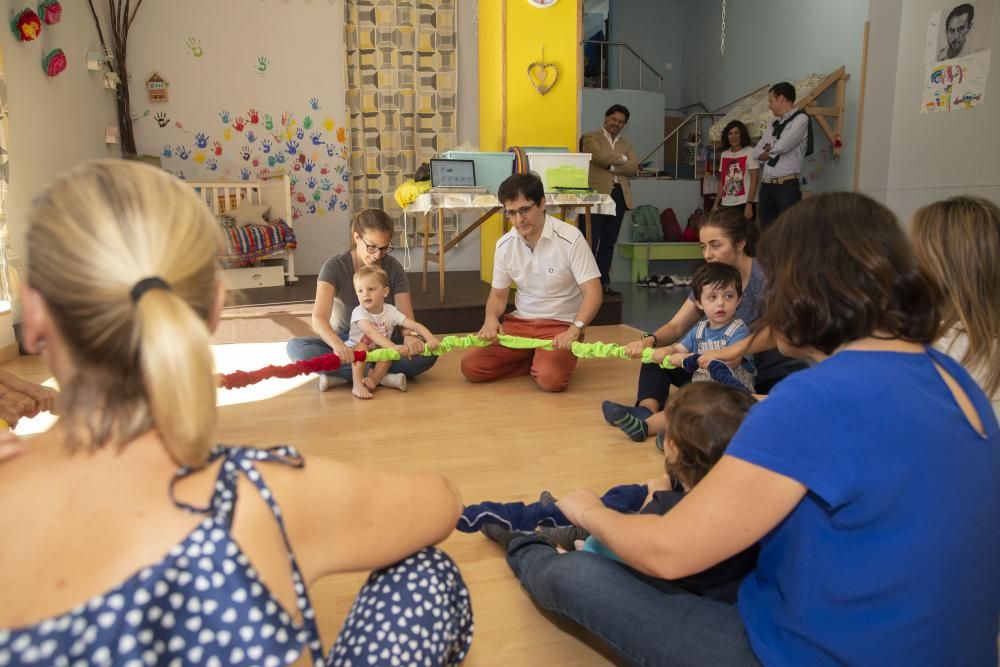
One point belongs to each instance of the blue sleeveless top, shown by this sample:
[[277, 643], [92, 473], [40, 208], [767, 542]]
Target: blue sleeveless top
[[202, 603]]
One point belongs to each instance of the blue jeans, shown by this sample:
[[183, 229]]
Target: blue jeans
[[647, 621], [775, 199], [308, 347]]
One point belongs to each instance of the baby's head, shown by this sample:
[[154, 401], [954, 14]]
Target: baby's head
[[717, 289], [371, 284], [702, 418]]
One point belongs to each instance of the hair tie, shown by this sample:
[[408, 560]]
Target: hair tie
[[146, 284]]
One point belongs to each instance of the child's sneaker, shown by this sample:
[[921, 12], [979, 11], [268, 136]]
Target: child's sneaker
[[328, 381], [394, 381]]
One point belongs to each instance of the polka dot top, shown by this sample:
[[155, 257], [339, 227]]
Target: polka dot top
[[203, 603]]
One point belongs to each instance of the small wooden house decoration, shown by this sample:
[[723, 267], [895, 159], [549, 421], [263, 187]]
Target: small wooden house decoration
[[156, 88]]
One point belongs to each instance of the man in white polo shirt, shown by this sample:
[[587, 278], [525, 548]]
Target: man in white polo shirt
[[558, 291]]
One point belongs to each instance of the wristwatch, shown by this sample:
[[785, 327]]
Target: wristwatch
[[649, 335], [579, 325]]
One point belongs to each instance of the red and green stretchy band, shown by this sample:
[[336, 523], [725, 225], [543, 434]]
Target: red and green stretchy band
[[331, 362]]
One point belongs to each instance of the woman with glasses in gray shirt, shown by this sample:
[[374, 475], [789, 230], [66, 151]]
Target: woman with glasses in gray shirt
[[371, 243]]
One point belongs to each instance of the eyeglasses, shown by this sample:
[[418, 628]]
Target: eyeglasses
[[376, 249], [522, 212]]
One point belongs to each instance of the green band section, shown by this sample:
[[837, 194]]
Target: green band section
[[581, 350]]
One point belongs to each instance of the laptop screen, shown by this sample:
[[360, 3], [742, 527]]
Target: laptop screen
[[453, 173]]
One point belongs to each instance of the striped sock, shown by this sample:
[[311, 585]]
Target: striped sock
[[631, 426]]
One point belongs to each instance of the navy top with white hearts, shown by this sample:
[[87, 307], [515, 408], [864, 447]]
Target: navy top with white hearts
[[203, 603]]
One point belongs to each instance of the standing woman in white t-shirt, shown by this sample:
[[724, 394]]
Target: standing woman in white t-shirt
[[955, 242], [739, 172]]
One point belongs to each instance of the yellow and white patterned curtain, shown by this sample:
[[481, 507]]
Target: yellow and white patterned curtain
[[401, 92]]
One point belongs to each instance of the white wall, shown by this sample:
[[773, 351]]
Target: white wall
[[912, 159], [655, 30], [304, 47], [55, 122], [775, 40]]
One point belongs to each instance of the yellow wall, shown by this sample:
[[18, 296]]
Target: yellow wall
[[511, 111]]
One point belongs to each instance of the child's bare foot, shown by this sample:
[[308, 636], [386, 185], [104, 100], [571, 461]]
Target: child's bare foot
[[367, 382], [361, 391]]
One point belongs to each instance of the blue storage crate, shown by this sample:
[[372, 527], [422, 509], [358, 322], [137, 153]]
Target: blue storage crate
[[492, 169]]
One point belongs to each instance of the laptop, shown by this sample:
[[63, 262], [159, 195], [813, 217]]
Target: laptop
[[454, 176]]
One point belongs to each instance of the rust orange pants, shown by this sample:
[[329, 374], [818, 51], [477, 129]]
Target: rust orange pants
[[550, 369]]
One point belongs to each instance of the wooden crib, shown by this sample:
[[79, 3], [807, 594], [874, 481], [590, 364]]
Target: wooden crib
[[265, 253]]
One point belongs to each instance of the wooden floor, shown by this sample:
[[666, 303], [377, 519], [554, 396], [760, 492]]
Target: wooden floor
[[502, 441]]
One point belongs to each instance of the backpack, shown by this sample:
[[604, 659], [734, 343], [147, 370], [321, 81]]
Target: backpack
[[671, 227], [690, 233], [646, 225]]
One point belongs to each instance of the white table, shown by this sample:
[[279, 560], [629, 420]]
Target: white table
[[440, 202]]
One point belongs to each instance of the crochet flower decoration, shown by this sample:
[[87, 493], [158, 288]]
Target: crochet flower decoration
[[51, 11], [55, 62], [26, 25]]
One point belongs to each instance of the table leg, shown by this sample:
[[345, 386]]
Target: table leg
[[427, 230], [640, 262], [441, 253], [586, 215]]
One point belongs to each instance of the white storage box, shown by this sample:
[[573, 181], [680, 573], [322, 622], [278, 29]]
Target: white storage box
[[560, 170], [254, 276]]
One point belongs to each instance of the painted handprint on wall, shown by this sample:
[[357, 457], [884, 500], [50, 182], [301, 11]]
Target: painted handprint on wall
[[254, 118], [182, 152], [166, 152], [217, 148], [251, 137], [224, 116], [268, 122], [239, 124], [161, 119], [314, 104], [194, 46], [262, 63]]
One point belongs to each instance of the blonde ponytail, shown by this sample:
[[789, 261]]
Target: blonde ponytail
[[176, 363], [139, 364]]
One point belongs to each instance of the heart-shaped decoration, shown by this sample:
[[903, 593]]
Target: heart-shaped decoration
[[543, 76]]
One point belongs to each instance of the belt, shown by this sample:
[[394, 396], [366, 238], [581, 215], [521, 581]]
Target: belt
[[779, 181]]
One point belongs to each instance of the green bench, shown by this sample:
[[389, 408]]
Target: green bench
[[641, 253]]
